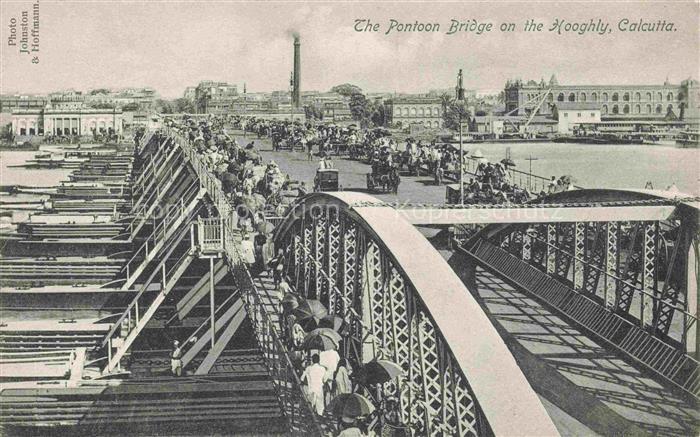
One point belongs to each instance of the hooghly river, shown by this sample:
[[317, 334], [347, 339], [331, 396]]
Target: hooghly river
[[592, 166], [610, 166], [11, 174]]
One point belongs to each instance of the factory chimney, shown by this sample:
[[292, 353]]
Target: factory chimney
[[459, 89], [296, 94]]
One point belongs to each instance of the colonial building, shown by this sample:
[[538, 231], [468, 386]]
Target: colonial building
[[336, 111], [215, 97], [140, 98], [66, 99], [572, 114], [190, 93], [650, 102], [10, 102], [426, 111], [250, 103], [77, 120], [319, 99]]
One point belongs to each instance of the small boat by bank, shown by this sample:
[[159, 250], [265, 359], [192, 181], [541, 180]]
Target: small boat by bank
[[98, 205], [689, 139], [48, 159], [601, 139]]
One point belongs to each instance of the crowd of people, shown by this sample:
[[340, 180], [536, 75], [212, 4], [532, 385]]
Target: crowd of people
[[257, 186], [253, 187], [557, 185], [324, 373], [490, 182], [243, 175]]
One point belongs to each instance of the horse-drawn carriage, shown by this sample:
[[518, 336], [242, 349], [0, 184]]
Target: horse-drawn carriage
[[383, 178], [282, 143], [413, 161], [326, 180]]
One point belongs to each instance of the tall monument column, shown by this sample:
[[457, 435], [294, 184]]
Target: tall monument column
[[296, 93]]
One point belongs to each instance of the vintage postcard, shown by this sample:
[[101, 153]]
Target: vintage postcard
[[340, 218]]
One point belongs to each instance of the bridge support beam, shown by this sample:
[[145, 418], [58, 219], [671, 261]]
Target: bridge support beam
[[404, 303], [692, 340], [198, 291], [222, 341], [649, 278]]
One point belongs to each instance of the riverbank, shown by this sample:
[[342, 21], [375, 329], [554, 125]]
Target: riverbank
[[4, 147]]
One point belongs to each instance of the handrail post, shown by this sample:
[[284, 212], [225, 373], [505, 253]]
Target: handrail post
[[211, 301], [192, 240], [222, 229]]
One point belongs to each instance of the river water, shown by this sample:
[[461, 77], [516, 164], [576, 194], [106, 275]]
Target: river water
[[623, 166], [12, 174], [612, 166]]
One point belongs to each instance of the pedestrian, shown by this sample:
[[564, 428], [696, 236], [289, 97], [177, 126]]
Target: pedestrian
[[309, 151], [392, 423], [439, 175], [298, 334], [349, 428], [313, 377], [302, 190], [329, 359], [176, 359], [290, 320], [341, 380], [282, 290], [276, 265]]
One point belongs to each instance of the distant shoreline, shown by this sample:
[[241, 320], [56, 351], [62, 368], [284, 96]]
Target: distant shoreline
[[8, 148]]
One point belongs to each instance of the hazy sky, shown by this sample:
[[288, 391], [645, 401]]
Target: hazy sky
[[170, 45]]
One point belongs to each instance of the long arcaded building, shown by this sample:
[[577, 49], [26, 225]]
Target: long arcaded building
[[66, 121], [650, 102]]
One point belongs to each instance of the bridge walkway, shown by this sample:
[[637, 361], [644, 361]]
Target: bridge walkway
[[265, 287], [352, 176], [538, 336], [266, 324]]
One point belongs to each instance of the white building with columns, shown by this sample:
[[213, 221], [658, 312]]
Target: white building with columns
[[65, 121]]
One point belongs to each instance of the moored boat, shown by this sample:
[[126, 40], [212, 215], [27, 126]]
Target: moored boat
[[689, 139]]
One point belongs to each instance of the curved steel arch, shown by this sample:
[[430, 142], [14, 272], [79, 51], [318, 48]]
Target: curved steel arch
[[641, 273], [593, 195], [367, 261], [686, 210]]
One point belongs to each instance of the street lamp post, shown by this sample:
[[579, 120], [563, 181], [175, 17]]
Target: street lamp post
[[529, 174], [459, 91], [461, 163]]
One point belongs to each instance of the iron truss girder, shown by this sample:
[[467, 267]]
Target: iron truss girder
[[434, 397]]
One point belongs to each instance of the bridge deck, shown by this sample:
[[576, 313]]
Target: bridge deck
[[352, 174], [519, 214], [583, 380], [424, 190], [532, 331]]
